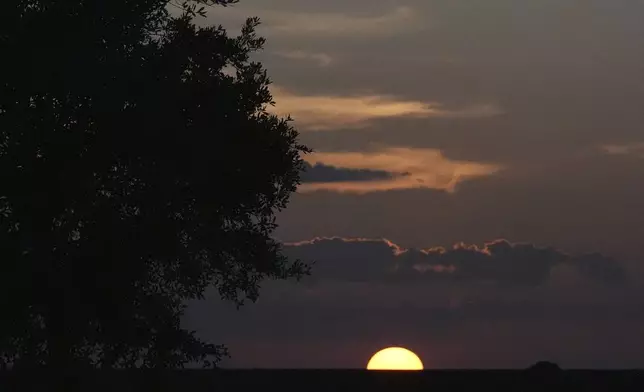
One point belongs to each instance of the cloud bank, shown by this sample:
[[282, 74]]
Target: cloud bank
[[495, 305], [499, 262]]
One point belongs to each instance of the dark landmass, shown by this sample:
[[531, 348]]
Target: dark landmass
[[337, 380]]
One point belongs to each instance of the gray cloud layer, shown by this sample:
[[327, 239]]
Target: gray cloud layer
[[502, 305], [499, 262]]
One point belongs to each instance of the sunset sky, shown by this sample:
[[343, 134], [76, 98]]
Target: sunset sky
[[476, 190]]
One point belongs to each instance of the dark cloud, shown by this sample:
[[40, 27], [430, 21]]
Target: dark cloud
[[326, 173], [499, 262], [595, 266], [488, 312]]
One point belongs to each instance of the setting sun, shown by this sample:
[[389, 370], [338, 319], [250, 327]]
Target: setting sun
[[395, 358]]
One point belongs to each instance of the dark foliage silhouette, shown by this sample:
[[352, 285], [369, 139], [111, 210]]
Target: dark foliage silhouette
[[138, 166]]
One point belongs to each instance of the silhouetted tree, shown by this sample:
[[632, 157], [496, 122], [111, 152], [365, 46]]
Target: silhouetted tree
[[544, 371], [138, 165], [545, 367]]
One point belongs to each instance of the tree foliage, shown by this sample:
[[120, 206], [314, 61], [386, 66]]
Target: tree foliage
[[138, 165]]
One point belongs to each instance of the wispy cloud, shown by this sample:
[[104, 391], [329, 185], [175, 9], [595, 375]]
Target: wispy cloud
[[331, 23], [328, 23], [624, 149], [423, 168], [321, 59], [330, 112]]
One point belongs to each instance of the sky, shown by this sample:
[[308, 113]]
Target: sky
[[475, 193]]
